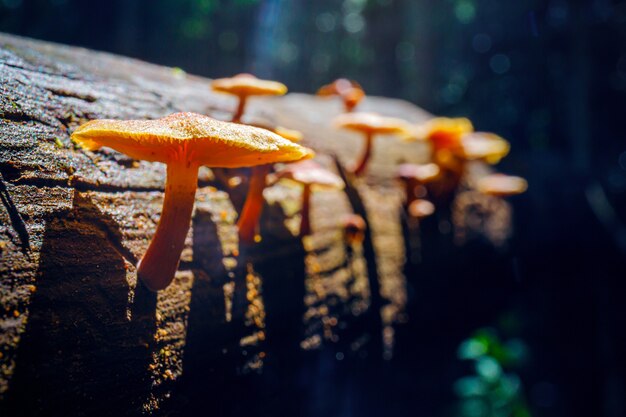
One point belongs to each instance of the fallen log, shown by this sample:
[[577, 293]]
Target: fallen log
[[78, 335]]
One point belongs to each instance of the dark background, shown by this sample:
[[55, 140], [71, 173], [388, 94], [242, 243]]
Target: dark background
[[549, 75]]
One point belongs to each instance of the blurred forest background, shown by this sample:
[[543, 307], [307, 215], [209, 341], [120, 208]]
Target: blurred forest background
[[548, 75]]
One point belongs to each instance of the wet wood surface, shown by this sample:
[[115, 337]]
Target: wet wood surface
[[78, 335]]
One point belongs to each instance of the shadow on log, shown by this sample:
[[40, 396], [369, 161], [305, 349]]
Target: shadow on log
[[82, 332], [283, 283], [212, 353], [376, 301]]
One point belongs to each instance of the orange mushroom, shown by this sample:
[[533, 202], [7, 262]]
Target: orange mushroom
[[483, 146], [501, 185], [309, 174], [253, 207], [452, 138], [369, 124], [350, 92], [183, 141], [354, 227], [443, 132], [244, 86], [445, 137]]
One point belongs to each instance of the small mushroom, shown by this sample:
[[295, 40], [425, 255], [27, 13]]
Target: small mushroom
[[183, 141], [253, 207], [350, 92], [501, 185], [309, 174], [445, 137], [369, 124], [414, 176], [420, 208], [443, 132], [483, 146], [244, 86], [354, 227]]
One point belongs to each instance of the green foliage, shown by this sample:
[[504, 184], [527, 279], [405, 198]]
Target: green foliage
[[493, 390]]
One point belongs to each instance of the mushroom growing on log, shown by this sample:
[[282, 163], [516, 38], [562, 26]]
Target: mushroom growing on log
[[354, 229], [483, 146], [253, 207], [501, 185], [309, 174], [183, 141], [350, 92], [244, 86], [369, 124], [454, 143]]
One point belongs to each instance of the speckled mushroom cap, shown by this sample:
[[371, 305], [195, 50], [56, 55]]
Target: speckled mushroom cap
[[248, 85], [501, 185], [486, 146], [370, 123], [420, 172], [203, 139], [311, 173]]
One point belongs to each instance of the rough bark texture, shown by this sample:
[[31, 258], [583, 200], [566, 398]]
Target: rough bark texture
[[78, 336]]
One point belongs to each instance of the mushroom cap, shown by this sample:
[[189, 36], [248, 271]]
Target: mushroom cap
[[486, 146], [248, 85], [420, 172], [370, 123], [443, 132], [501, 185], [199, 138], [421, 208], [338, 87], [354, 227], [353, 96], [354, 222], [311, 173], [350, 91]]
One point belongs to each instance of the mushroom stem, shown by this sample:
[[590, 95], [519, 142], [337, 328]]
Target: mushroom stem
[[305, 223], [241, 106], [253, 206], [362, 165], [158, 266]]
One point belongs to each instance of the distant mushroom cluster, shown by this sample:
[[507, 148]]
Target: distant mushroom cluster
[[186, 141]]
